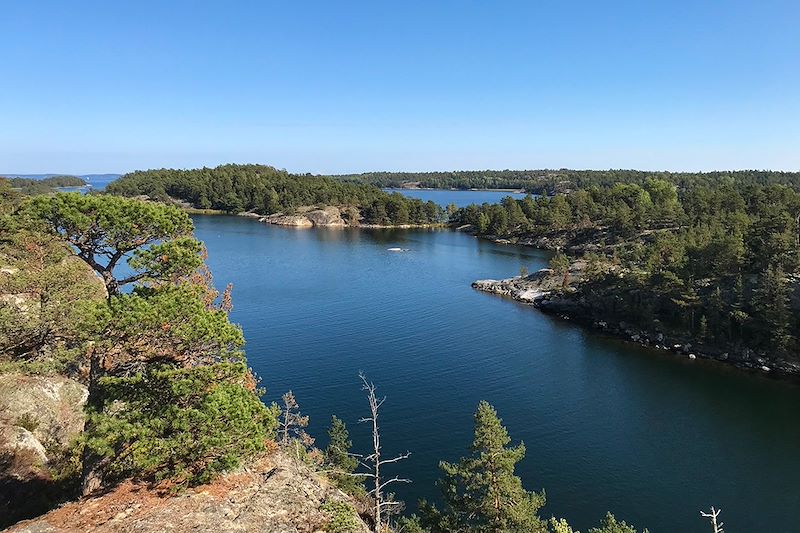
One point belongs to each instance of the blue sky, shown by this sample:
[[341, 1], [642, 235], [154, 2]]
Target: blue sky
[[357, 86]]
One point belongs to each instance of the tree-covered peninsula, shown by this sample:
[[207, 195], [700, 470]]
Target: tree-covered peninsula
[[716, 267], [266, 190]]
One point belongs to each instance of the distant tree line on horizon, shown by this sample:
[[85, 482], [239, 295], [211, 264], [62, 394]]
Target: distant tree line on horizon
[[267, 190], [551, 181]]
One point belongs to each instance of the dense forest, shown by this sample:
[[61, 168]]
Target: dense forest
[[45, 185], [719, 264], [563, 180], [267, 190], [172, 402]]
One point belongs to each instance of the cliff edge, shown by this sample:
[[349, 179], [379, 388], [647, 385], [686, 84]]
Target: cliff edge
[[276, 494]]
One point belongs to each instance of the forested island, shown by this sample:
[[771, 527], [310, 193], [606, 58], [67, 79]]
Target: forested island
[[45, 185], [265, 190]]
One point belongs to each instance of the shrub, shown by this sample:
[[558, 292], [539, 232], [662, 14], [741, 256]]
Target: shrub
[[185, 425], [27, 421], [342, 517]]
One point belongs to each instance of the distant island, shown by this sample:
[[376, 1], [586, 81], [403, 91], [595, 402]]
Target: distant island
[[42, 185], [278, 196]]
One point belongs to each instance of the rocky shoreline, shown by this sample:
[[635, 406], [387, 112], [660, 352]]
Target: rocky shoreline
[[328, 217], [561, 296]]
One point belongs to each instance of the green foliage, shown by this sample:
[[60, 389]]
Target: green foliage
[[170, 323], [772, 308], [43, 288], [559, 525], [481, 492], [339, 460], [342, 517], [715, 259], [559, 263], [182, 424], [30, 186], [552, 181], [106, 229], [410, 524], [610, 525], [264, 189], [170, 396]]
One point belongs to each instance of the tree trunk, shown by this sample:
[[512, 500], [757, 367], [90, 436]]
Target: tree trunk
[[91, 468]]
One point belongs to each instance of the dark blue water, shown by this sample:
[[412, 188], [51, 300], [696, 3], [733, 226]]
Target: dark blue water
[[445, 197], [607, 426]]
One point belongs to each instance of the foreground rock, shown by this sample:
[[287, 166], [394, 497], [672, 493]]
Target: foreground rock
[[277, 494], [50, 407], [39, 417], [330, 217]]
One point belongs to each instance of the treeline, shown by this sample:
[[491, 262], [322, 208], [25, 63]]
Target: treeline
[[267, 190], [719, 264], [551, 181], [45, 185]]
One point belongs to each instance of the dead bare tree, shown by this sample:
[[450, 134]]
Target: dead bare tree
[[374, 463], [712, 517]]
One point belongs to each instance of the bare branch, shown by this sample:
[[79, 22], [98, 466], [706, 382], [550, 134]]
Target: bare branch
[[712, 516], [398, 458], [395, 479]]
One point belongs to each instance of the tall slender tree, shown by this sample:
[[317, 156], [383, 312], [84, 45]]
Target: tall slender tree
[[481, 492]]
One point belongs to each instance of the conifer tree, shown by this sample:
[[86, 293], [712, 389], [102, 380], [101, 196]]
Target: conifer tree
[[771, 303], [481, 492], [611, 525], [339, 459]]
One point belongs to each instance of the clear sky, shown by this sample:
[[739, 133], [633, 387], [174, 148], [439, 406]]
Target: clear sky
[[378, 85]]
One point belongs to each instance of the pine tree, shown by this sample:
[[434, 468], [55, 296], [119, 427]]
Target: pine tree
[[771, 304], [610, 525], [481, 492], [339, 459]]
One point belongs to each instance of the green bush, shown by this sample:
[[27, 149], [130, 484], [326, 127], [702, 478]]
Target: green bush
[[342, 517], [185, 425]]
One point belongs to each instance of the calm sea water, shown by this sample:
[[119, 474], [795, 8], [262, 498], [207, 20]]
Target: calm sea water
[[607, 426]]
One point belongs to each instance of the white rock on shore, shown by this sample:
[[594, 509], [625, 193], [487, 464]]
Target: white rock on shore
[[327, 216]]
